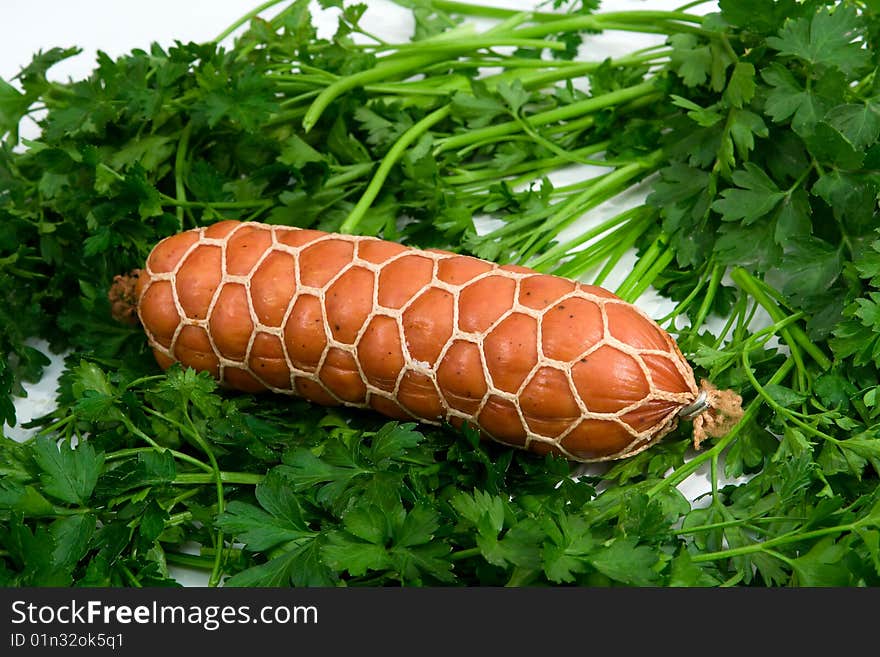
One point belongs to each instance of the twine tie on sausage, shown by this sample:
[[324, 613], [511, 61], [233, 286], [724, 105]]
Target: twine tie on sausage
[[714, 412], [123, 298]]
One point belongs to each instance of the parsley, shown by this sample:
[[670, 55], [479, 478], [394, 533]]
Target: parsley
[[750, 136], [67, 474]]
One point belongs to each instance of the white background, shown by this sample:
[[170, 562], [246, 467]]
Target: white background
[[117, 27]]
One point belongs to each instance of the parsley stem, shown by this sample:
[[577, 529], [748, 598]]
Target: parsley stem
[[683, 305], [741, 315], [562, 113], [130, 576], [791, 537], [794, 335], [352, 172], [535, 241], [382, 71], [175, 519], [776, 406], [64, 511], [286, 116], [571, 68], [246, 18], [645, 263], [190, 560], [468, 9], [691, 5], [609, 249], [484, 11], [174, 501], [149, 378], [617, 251], [214, 579], [661, 263], [567, 156], [217, 205], [514, 21], [552, 71], [409, 89], [464, 554], [179, 166], [698, 529], [236, 552], [296, 100], [630, 21], [126, 421], [57, 425], [134, 451], [534, 167], [246, 478], [554, 254], [390, 159], [709, 297], [760, 338], [605, 187], [649, 28], [370, 35], [473, 43], [574, 126]]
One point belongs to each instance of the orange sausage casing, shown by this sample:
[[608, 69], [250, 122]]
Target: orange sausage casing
[[534, 361]]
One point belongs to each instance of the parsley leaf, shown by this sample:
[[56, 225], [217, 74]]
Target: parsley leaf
[[756, 195], [787, 98], [830, 38], [393, 539], [279, 520], [858, 335], [66, 473], [858, 122]]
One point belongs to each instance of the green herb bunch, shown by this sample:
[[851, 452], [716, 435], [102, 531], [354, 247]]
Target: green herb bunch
[[749, 137]]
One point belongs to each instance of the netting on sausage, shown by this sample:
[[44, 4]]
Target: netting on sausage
[[533, 361]]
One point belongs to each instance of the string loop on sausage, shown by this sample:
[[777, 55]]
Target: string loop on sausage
[[700, 404], [723, 410]]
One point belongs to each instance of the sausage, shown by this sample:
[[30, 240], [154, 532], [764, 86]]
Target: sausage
[[533, 361]]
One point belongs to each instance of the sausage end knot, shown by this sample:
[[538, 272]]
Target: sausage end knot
[[714, 412], [123, 298]]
